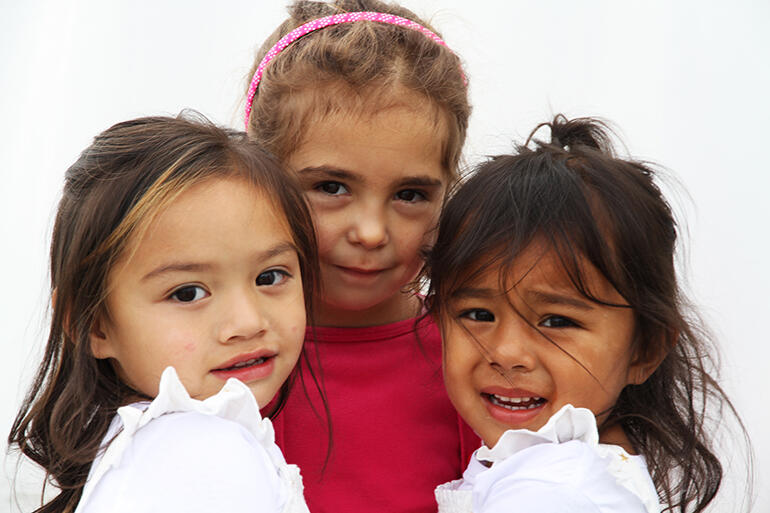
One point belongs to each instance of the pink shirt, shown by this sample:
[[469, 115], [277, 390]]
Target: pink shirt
[[396, 436]]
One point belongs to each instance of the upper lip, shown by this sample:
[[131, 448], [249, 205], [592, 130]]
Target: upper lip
[[260, 353]]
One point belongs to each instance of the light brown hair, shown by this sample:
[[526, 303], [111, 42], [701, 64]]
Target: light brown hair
[[119, 183], [358, 67]]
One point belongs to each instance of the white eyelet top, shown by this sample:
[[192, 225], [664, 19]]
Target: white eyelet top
[[181, 454], [561, 467]]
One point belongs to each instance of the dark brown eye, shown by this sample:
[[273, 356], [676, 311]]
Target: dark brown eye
[[188, 293], [332, 188], [272, 277], [557, 321], [479, 315], [410, 195]]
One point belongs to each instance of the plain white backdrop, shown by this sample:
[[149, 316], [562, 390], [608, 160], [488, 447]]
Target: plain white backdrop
[[685, 82]]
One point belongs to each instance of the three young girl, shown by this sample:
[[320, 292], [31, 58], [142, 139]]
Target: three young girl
[[546, 296]]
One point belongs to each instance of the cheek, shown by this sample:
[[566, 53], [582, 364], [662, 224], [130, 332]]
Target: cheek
[[326, 232], [411, 238], [458, 362]]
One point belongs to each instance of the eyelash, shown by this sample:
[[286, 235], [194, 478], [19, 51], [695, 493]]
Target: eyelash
[[175, 294], [569, 323], [284, 274], [322, 185], [418, 195], [467, 314]]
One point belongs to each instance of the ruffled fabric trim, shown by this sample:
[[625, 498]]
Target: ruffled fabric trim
[[233, 402], [569, 423]]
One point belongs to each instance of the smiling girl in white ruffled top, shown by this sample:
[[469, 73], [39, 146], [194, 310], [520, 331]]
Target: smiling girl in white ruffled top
[[179, 259], [566, 344]]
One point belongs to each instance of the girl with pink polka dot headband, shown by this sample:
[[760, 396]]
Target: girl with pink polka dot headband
[[320, 23], [364, 103]]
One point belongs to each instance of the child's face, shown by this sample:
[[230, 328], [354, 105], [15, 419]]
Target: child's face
[[375, 184], [213, 288], [502, 373]]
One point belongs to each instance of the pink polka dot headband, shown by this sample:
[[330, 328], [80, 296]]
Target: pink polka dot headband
[[327, 21]]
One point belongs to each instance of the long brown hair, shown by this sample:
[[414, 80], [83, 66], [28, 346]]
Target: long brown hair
[[355, 67], [110, 193], [575, 194]]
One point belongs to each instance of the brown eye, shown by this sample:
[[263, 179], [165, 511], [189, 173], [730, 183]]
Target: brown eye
[[411, 195], [188, 294], [558, 321], [272, 277], [478, 315], [332, 188]]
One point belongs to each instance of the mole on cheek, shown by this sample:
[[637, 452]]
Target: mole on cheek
[[189, 347]]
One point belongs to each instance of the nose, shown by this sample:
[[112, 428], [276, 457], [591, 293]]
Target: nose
[[369, 227], [241, 317], [514, 347]]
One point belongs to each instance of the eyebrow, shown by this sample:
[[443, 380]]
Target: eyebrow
[[551, 298], [175, 267], [335, 172], [350, 176], [532, 296], [471, 292]]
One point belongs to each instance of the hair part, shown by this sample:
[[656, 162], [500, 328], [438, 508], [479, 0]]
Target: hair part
[[360, 68], [574, 195], [111, 193]]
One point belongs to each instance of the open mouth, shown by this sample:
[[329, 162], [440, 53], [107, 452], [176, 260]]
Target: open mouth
[[244, 364], [247, 368], [515, 403]]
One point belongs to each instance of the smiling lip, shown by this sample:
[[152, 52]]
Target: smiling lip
[[359, 274], [248, 367], [526, 405]]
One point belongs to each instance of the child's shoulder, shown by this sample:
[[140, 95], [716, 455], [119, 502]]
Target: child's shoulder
[[561, 467], [217, 454]]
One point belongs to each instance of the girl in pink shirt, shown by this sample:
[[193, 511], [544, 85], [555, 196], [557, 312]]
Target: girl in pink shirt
[[368, 107]]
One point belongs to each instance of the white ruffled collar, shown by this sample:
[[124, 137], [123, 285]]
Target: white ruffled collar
[[234, 401], [569, 423]]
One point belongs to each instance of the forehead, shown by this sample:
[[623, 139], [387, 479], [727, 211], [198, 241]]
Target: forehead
[[215, 218], [401, 138], [539, 267], [378, 109]]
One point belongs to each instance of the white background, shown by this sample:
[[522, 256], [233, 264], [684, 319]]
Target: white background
[[686, 82]]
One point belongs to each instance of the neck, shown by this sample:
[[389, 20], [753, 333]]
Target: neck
[[615, 435], [400, 307]]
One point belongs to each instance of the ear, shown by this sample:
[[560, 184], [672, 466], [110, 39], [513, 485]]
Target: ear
[[648, 359], [101, 344]]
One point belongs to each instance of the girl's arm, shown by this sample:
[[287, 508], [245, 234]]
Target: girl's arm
[[190, 462], [552, 478]]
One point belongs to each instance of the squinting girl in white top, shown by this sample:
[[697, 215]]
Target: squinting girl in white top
[[566, 344], [179, 259]]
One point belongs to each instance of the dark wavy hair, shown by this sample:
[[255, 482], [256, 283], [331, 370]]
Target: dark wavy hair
[[118, 184], [584, 201]]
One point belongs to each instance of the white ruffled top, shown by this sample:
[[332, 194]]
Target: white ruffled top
[[561, 467], [177, 453]]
